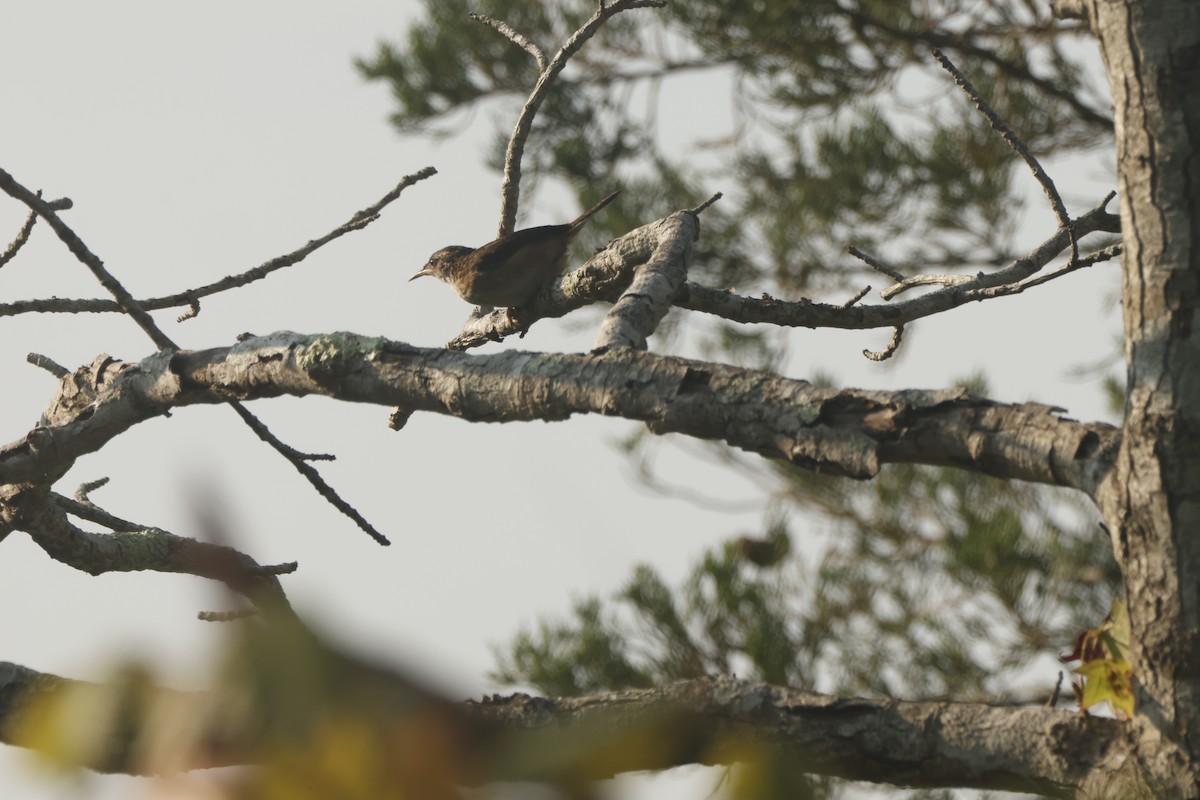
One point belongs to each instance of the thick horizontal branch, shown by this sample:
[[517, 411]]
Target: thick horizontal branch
[[845, 432], [719, 720], [572, 741]]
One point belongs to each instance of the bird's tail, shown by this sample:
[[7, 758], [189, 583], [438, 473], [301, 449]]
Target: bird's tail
[[583, 218]]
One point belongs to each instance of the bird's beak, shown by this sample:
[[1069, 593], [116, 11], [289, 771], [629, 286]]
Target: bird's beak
[[424, 271]]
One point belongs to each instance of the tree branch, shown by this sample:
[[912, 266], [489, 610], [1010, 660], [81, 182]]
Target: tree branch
[[574, 740], [191, 297], [511, 188], [720, 720], [655, 285], [130, 547], [1012, 279], [843, 432], [124, 299], [606, 274]]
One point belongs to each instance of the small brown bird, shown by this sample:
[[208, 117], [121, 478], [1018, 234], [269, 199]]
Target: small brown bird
[[510, 270]]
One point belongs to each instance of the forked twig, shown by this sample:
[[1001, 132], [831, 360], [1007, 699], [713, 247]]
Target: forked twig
[[513, 36], [360, 220], [511, 188], [298, 460], [139, 314], [89, 259], [1014, 141]]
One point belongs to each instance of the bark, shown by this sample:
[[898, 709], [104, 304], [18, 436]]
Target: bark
[[839, 431], [574, 740], [1149, 501]]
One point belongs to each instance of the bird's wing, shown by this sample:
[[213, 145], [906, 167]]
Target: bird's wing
[[528, 245]]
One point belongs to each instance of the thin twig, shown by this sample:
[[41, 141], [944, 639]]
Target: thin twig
[[191, 297], [1101, 255], [85, 489], [877, 265], [1014, 141], [925, 280], [89, 259], [62, 204], [297, 460], [859, 295], [890, 349], [48, 364], [513, 36], [22, 236], [511, 187], [360, 220], [233, 615], [286, 568], [1053, 701], [134, 309], [700, 208], [192, 312]]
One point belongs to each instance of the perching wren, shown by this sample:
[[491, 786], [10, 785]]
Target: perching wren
[[508, 271]]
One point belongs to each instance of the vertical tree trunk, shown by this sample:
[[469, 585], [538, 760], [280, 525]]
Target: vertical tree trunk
[[1151, 503]]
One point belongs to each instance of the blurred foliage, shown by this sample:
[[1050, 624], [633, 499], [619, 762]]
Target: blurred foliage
[[923, 583]]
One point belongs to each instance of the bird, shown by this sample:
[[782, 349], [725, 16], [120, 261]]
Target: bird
[[510, 270]]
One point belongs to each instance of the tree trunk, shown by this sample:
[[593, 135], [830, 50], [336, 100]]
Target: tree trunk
[[1150, 501]]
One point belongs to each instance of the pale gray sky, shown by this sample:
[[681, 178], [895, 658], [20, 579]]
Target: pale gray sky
[[199, 140]]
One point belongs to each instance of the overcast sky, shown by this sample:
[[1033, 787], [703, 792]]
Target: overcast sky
[[199, 140]]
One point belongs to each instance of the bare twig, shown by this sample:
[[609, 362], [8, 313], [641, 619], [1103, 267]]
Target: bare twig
[[360, 220], [232, 615], [48, 364], [513, 36], [1104, 254], [700, 208], [804, 313], [298, 460], [1053, 701], [190, 297], [21, 238], [135, 310], [511, 188], [85, 489], [877, 265], [859, 295], [192, 312], [1014, 141], [62, 204], [890, 349], [286, 568], [925, 280], [89, 259]]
